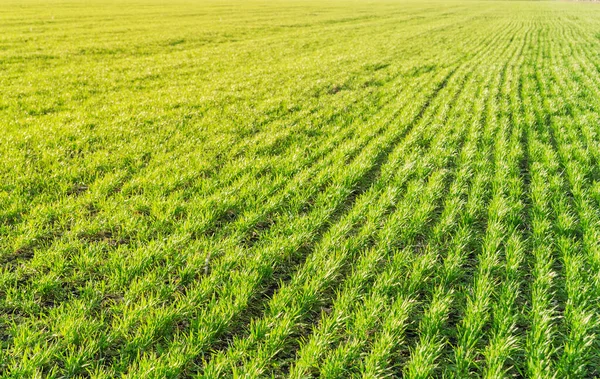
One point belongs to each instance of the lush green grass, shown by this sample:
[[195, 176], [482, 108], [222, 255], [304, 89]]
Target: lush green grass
[[299, 188]]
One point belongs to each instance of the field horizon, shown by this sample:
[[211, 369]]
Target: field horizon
[[302, 189]]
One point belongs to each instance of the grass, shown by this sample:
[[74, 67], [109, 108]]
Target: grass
[[299, 189]]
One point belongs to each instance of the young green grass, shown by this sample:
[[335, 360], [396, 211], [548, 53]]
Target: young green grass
[[299, 189]]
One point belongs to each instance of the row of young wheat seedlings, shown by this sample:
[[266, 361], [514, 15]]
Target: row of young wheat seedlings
[[587, 204], [480, 295], [267, 357], [586, 117], [544, 181], [577, 220], [573, 229], [564, 222], [424, 356], [243, 283], [586, 121], [504, 340]]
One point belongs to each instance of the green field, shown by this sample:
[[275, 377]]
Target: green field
[[336, 188]]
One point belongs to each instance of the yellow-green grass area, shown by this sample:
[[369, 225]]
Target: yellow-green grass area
[[335, 189]]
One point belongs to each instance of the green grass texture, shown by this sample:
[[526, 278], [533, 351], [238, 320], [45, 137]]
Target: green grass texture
[[299, 189]]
